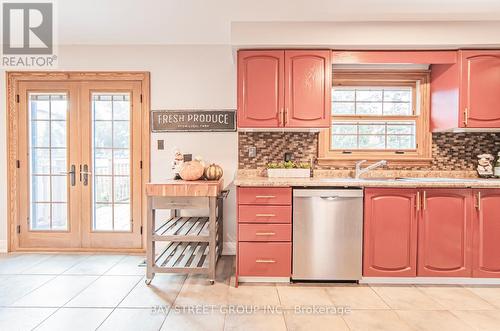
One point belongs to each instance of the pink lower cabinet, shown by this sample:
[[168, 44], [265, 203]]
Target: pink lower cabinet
[[264, 232], [265, 259], [486, 237], [390, 233], [445, 233]]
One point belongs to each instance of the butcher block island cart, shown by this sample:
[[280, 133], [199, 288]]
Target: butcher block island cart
[[184, 244]]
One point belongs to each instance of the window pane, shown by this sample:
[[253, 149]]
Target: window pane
[[122, 189], [372, 128], [122, 217], [344, 142], [397, 109], [59, 216], [103, 217], [40, 134], [40, 161], [121, 134], [398, 94], [103, 189], [121, 162], [58, 133], [343, 95], [344, 128], [400, 142], [401, 128], [59, 109], [121, 110], [40, 216], [40, 188], [103, 134], [343, 108], [103, 162], [369, 95], [40, 108], [59, 188], [103, 109], [372, 142], [368, 108], [59, 165]]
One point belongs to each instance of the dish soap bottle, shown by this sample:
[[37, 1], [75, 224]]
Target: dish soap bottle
[[497, 166]]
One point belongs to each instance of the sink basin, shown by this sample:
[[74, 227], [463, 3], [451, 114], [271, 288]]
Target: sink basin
[[436, 179]]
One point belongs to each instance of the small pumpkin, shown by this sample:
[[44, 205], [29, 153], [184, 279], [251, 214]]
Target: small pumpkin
[[191, 170], [213, 172]]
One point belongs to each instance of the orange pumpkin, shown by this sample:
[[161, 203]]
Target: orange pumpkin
[[191, 170]]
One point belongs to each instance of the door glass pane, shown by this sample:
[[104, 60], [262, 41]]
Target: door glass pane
[[111, 162], [48, 161]]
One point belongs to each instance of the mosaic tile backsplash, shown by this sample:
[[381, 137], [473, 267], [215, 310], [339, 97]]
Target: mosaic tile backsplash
[[450, 151]]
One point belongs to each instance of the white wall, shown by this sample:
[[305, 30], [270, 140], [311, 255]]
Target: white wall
[[182, 77]]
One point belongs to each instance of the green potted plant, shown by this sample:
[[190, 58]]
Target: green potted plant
[[288, 169]]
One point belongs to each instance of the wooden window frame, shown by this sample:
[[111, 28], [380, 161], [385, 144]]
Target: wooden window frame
[[420, 82], [13, 79]]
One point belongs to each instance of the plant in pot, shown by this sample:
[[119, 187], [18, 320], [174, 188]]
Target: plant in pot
[[288, 169]]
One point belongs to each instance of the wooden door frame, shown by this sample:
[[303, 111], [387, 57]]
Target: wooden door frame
[[13, 78]]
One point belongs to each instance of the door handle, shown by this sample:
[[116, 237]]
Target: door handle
[[72, 174], [425, 201], [478, 206], [335, 197], [418, 201], [85, 174]]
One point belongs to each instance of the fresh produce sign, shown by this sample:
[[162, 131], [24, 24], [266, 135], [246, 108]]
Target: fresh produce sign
[[193, 120]]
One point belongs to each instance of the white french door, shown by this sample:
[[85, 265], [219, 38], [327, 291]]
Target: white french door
[[80, 164]]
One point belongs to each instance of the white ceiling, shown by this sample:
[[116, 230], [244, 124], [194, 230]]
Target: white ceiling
[[209, 21]]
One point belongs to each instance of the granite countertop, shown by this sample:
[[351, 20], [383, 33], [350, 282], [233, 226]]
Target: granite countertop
[[409, 179]]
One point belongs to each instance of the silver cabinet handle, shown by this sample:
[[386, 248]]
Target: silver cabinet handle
[[265, 233], [264, 261], [264, 215], [265, 196]]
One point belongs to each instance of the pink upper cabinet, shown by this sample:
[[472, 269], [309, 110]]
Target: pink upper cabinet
[[307, 88], [260, 89], [284, 89], [481, 89], [487, 233], [445, 236]]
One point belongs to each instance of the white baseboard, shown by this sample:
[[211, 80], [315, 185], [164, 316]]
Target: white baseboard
[[430, 280], [3, 246], [229, 248]]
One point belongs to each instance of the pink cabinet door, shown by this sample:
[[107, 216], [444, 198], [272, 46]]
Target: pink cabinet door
[[480, 91], [308, 88], [486, 224], [445, 233], [390, 233], [260, 89]]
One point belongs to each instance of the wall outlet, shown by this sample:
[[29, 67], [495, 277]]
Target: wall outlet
[[252, 151], [161, 144]]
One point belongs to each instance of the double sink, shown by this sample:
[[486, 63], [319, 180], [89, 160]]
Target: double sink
[[404, 179]]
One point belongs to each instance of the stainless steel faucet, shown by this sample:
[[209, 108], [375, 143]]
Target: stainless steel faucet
[[359, 171]]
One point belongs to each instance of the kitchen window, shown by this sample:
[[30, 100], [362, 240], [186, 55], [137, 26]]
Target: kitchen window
[[378, 115]]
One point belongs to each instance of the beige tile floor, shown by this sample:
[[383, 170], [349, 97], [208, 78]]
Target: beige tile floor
[[107, 292]]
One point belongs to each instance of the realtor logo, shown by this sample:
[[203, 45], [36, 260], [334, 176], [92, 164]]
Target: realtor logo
[[28, 34], [27, 28]]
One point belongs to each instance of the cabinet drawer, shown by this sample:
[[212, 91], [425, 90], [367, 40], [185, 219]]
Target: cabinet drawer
[[264, 214], [265, 259], [265, 232], [264, 196]]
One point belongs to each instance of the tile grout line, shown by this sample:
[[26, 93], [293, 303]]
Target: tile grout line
[[114, 308], [173, 303]]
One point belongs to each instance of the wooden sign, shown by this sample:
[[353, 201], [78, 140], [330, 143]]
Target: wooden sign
[[193, 120]]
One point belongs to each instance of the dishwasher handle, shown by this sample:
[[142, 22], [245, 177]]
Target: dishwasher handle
[[328, 194]]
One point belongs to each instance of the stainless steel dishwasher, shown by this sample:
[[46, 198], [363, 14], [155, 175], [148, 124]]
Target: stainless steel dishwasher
[[327, 234]]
